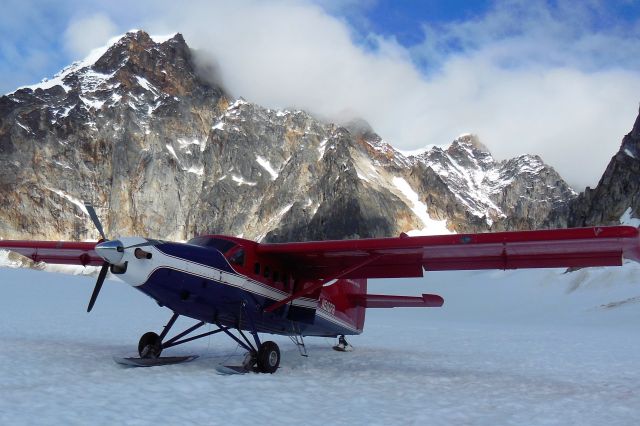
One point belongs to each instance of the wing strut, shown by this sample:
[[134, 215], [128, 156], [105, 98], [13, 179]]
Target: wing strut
[[321, 283]]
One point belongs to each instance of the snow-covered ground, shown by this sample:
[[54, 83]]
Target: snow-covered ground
[[517, 347]]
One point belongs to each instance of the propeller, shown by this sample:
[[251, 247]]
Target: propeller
[[94, 218], [112, 252], [96, 289], [105, 266]]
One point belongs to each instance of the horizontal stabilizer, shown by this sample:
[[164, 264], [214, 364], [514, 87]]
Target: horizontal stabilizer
[[388, 301]]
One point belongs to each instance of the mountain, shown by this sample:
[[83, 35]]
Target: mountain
[[138, 129], [616, 194]]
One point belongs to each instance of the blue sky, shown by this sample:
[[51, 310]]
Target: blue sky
[[404, 19], [556, 78]]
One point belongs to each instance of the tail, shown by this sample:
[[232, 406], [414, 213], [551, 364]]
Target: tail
[[339, 300], [347, 301]]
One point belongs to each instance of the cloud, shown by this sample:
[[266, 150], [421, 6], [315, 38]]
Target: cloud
[[559, 79], [86, 33], [526, 77], [532, 77]]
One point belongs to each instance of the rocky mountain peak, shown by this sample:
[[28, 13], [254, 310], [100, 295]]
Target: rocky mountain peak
[[631, 142], [618, 189], [469, 141], [468, 151], [166, 65], [166, 154]]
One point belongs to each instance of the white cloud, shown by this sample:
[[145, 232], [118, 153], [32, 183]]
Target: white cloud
[[525, 78], [530, 76], [86, 33]]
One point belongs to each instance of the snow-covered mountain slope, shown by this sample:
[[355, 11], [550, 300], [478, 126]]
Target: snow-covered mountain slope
[[508, 348], [164, 152]]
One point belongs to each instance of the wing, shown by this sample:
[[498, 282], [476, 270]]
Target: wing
[[62, 252], [408, 256]]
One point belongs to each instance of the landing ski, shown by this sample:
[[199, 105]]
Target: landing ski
[[343, 345], [152, 362], [227, 370]]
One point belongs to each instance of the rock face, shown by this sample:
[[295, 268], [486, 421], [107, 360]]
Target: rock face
[[164, 153], [476, 193], [618, 189]]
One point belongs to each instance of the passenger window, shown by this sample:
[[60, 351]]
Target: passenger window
[[276, 275], [237, 258], [256, 268], [266, 272]]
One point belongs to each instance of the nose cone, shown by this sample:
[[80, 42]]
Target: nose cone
[[111, 251]]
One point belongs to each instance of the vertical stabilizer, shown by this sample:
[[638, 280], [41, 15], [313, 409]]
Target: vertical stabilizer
[[337, 299]]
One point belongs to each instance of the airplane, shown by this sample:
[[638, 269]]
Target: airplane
[[301, 289]]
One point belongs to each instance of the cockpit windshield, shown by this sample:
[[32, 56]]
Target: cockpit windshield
[[219, 244]]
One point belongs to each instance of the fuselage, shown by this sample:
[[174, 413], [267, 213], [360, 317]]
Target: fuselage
[[221, 280]]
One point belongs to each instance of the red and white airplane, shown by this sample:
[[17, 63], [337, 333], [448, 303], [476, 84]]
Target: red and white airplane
[[314, 288]]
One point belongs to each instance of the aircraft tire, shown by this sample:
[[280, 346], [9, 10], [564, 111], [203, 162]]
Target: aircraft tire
[[268, 357], [149, 345]]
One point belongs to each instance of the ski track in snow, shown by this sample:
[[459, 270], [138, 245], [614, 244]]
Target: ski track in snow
[[508, 348]]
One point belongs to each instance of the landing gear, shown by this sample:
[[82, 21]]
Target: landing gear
[[150, 345], [343, 345], [268, 357], [261, 357]]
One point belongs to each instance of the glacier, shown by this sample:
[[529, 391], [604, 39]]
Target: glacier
[[536, 347]]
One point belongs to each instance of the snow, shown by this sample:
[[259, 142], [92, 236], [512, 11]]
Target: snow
[[267, 166], [273, 222], [420, 151], [186, 144], [508, 348], [218, 126], [144, 83], [56, 80], [626, 219], [198, 170], [476, 197], [71, 199], [28, 130], [321, 148], [629, 153], [88, 61], [162, 38], [183, 145], [241, 181], [172, 151], [238, 102], [361, 176], [431, 226], [92, 81], [63, 165], [92, 103]]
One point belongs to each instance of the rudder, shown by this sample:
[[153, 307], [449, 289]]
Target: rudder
[[338, 299]]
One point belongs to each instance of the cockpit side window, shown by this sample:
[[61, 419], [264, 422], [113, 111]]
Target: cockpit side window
[[237, 257], [219, 244]]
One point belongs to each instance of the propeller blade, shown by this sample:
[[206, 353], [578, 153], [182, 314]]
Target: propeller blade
[[94, 218], [96, 289]]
